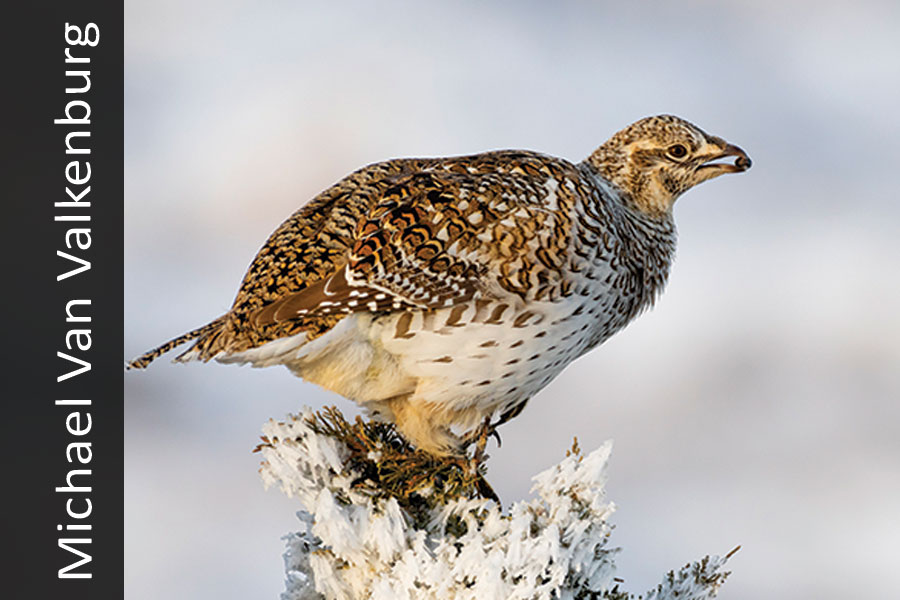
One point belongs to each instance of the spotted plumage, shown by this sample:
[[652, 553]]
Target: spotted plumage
[[439, 292]]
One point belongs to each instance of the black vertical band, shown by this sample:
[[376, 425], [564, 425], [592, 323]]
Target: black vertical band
[[62, 300]]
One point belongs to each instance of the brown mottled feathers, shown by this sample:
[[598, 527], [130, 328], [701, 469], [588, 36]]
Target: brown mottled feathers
[[432, 233], [399, 234], [471, 282]]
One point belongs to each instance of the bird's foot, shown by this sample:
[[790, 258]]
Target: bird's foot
[[480, 435]]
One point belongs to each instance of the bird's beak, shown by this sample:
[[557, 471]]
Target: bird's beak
[[724, 150]]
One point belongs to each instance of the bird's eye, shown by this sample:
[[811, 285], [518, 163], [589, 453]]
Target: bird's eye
[[677, 151]]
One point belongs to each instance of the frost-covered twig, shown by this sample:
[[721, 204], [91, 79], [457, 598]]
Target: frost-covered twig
[[374, 528]]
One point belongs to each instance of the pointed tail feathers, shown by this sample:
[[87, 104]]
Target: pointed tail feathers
[[142, 361]]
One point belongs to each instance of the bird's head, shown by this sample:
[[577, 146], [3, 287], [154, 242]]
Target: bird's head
[[656, 159]]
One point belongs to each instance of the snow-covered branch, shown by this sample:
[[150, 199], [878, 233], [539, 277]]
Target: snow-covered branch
[[383, 522]]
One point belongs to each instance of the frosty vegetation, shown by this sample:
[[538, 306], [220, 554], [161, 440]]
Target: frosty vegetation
[[381, 521]]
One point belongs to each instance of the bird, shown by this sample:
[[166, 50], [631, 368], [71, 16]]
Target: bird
[[441, 294]]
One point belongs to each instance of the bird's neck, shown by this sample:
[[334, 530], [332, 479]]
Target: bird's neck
[[614, 204], [643, 243], [609, 159]]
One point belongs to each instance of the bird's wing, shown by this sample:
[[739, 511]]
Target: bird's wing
[[436, 237]]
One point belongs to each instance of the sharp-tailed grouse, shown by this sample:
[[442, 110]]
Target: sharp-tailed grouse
[[439, 292]]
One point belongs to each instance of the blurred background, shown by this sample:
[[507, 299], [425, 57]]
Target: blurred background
[[758, 404]]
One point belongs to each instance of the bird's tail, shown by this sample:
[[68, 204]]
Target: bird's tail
[[148, 357]]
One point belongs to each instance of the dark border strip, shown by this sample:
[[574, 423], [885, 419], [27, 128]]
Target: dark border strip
[[62, 435]]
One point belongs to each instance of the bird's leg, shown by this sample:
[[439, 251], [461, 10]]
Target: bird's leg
[[413, 421], [483, 432], [477, 436], [488, 429], [480, 437]]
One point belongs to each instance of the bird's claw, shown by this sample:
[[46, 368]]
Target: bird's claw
[[482, 434], [496, 435]]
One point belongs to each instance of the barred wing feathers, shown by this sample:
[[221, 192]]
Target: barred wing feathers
[[402, 234]]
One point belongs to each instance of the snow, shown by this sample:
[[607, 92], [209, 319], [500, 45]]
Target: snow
[[356, 545]]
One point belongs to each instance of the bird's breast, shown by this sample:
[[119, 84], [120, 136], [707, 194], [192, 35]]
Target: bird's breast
[[495, 352]]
